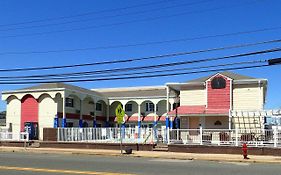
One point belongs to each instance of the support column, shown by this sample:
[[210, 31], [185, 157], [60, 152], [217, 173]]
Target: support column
[[171, 122], [167, 107], [155, 116], [229, 120], [139, 120], [81, 115], [94, 117], [107, 116], [63, 112]]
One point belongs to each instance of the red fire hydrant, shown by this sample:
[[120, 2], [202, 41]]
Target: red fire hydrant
[[245, 151]]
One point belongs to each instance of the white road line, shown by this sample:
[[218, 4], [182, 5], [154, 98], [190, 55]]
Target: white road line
[[236, 163], [170, 160]]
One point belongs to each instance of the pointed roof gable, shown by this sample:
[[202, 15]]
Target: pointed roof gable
[[231, 75]]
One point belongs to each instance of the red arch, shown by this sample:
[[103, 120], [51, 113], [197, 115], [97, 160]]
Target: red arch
[[29, 110]]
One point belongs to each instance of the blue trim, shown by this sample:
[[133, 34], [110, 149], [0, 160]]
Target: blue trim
[[155, 123], [167, 122], [80, 123], [177, 123], [139, 128], [94, 123], [63, 123], [171, 124], [107, 124], [56, 122], [123, 130]]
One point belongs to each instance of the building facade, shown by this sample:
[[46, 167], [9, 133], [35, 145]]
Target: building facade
[[202, 102]]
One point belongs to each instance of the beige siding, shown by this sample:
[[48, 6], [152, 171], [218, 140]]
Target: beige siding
[[210, 122], [47, 112], [14, 114], [193, 97], [247, 97]]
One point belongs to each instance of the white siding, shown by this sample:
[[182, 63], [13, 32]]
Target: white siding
[[47, 112], [247, 97], [14, 114], [193, 97]]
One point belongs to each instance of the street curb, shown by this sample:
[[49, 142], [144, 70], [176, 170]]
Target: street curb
[[137, 155]]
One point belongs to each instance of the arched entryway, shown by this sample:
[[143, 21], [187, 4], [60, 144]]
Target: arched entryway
[[29, 110]]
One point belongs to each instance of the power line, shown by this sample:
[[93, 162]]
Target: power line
[[136, 77], [141, 44], [135, 73], [84, 14], [119, 23], [106, 17], [141, 58], [126, 69]]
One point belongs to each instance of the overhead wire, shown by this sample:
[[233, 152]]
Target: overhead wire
[[157, 65], [85, 14], [140, 58], [135, 77], [121, 23], [107, 17], [135, 73]]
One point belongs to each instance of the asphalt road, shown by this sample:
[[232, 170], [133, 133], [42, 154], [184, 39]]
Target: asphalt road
[[50, 164]]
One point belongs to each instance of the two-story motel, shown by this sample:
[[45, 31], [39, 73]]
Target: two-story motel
[[202, 102]]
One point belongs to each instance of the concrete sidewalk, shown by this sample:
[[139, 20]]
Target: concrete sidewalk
[[150, 154]]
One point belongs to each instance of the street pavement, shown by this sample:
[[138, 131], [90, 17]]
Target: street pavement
[[28, 163]]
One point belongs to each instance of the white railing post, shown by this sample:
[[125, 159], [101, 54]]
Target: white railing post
[[201, 135], [168, 135], [178, 137], [236, 136], [275, 136], [72, 134], [58, 134]]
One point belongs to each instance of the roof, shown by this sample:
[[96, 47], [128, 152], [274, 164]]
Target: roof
[[149, 91], [231, 75], [197, 110], [61, 85]]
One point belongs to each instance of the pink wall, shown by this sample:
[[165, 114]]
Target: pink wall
[[219, 98], [29, 110]]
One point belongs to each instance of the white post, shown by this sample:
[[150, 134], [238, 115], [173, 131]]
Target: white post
[[236, 137], [275, 136], [229, 120], [81, 114], [201, 135], [168, 135], [107, 115], [63, 111], [178, 134], [139, 121]]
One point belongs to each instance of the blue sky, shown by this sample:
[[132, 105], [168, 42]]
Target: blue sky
[[199, 18]]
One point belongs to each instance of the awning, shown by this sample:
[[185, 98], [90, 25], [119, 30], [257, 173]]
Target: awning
[[197, 110]]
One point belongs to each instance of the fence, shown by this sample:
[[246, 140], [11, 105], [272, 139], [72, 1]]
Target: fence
[[110, 135], [10, 136], [234, 137]]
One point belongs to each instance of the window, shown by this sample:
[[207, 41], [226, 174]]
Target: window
[[218, 83], [69, 102], [149, 107], [98, 106], [129, 107], [218, 122]]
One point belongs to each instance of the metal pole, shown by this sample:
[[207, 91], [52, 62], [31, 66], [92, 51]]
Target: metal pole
[[121, 149], [236, 137], [201, 135]]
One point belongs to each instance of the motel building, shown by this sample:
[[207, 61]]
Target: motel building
[[204, 102]]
